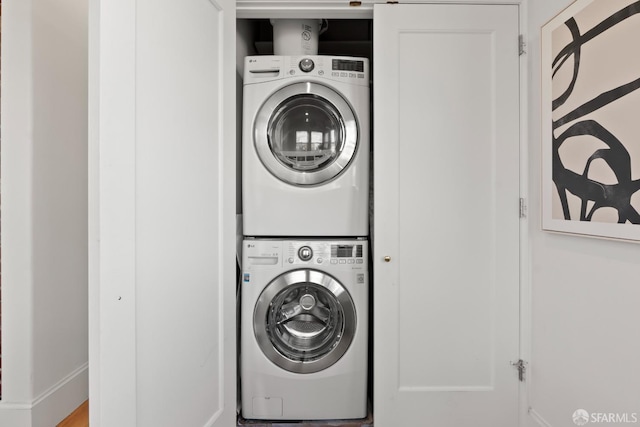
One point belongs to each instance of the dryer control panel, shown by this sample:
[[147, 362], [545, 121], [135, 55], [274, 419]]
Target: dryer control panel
[[346, 69]]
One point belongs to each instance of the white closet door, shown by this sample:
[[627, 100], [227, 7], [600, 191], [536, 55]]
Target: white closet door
[[162, 162], [446, 153]]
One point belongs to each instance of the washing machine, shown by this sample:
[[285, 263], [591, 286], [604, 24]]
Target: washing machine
[[305, 148], [304, 321]]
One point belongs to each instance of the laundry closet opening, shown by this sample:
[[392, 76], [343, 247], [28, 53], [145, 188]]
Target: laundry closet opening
[[348, 38]]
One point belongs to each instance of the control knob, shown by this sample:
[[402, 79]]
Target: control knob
[[305, 253], [306, 65]]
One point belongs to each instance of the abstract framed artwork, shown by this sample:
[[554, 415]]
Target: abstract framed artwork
[[591, 120]]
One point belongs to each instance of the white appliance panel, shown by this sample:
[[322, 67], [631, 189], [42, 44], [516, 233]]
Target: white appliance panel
[[336, 391], [306, 146]]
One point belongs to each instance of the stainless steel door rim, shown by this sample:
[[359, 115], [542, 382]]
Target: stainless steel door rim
[[335, 105], [304, 321]]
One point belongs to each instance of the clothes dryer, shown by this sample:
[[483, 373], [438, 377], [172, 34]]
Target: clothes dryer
[[305, 149], [304, 321]]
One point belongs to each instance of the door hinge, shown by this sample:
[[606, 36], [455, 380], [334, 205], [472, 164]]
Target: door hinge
[[521, 366], [521, 45], [523, 208]]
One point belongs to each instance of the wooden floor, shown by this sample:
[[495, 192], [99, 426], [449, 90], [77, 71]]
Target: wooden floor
[[78, 418]]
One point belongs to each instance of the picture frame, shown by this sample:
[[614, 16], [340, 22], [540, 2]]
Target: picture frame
[[590, 112]]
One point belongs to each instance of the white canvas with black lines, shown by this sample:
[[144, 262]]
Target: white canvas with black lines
[[591, 120]]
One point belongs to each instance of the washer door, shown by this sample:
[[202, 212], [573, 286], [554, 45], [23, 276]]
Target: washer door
[[306, 134], [304, 321]]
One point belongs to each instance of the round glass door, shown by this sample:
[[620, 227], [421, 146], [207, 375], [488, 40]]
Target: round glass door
[[304, 321], [305, 134]]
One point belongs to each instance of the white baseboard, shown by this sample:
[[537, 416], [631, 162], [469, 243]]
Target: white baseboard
[[50, 407], [538, 418], [55, 404], [14, 415]]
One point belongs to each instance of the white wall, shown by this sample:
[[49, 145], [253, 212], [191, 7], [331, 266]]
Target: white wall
[[586, 344], [244, 47], [44, 210]]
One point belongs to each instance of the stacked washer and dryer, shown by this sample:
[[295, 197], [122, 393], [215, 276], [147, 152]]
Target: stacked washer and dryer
[[304, 287]]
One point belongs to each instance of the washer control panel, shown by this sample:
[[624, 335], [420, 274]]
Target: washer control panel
[[273, 253], [343, 252]]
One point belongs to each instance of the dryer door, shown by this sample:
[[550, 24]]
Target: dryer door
[[306, 134], [304, 321]]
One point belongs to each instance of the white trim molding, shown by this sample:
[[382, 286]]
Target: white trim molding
[[538, 418], [55, 403], [330, 8]]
